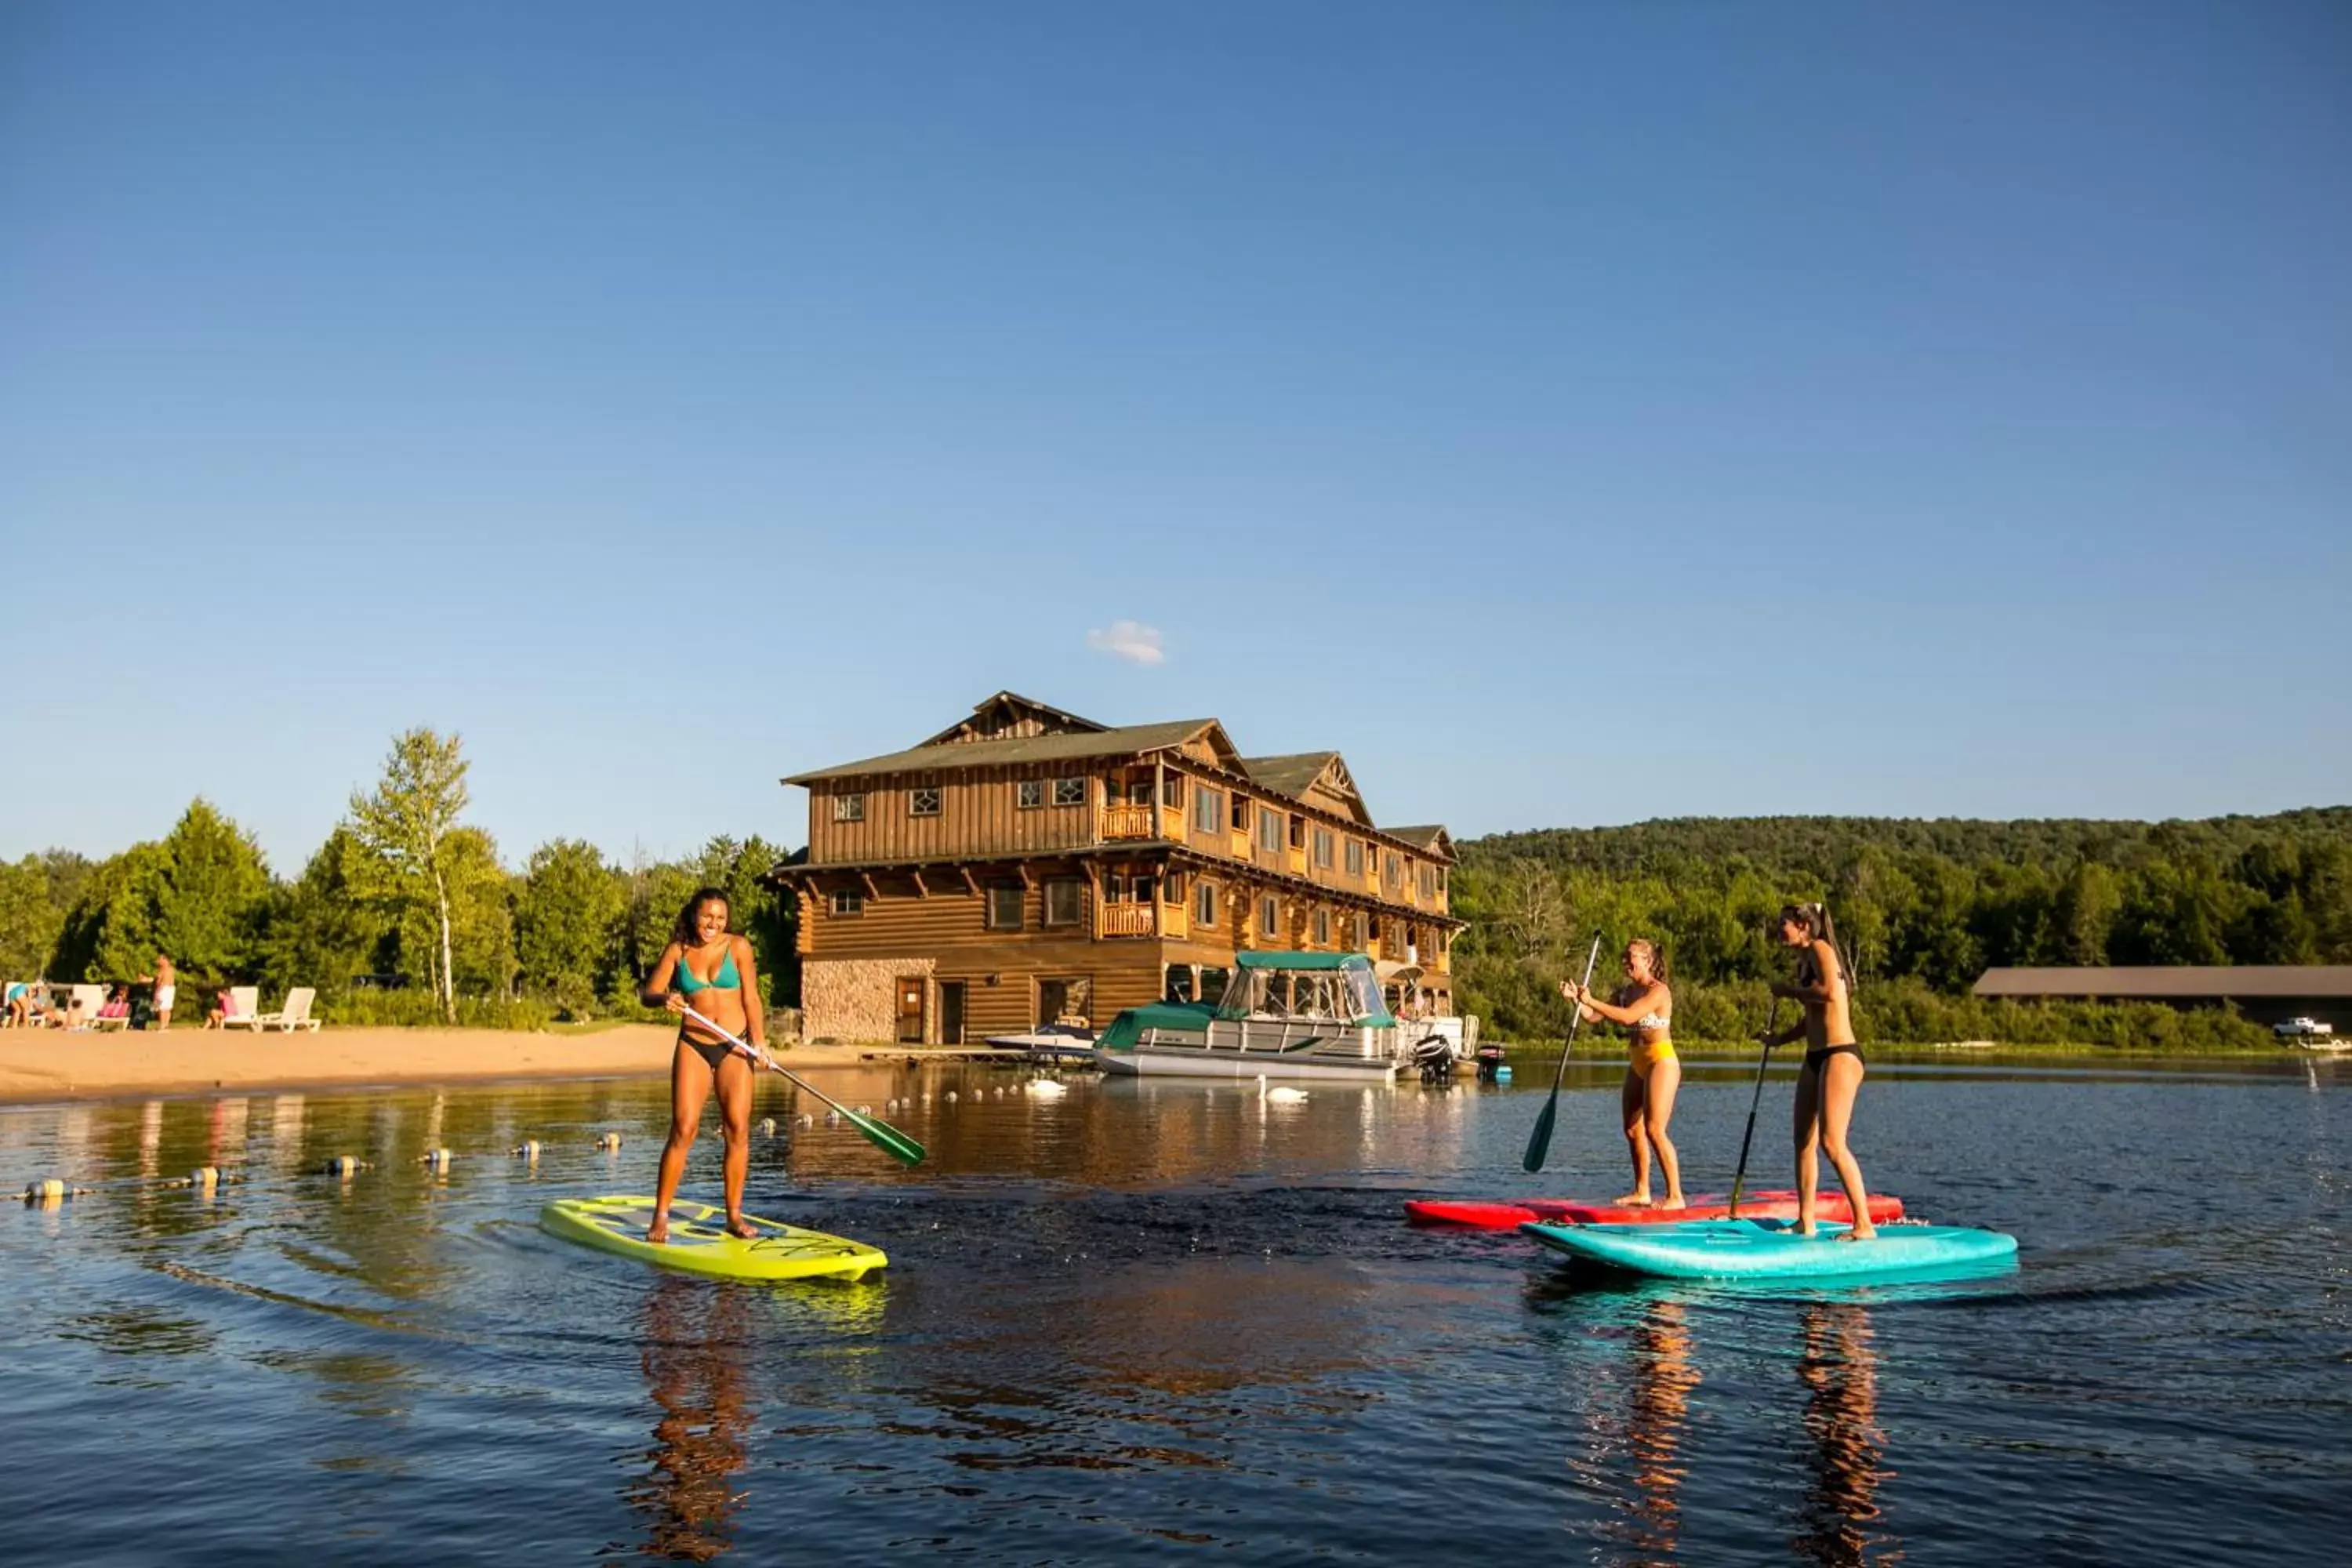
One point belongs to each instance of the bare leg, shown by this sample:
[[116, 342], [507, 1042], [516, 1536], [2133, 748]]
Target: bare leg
[[1808, 1120], [1629, 1110], [736, 1090], [1666, 1076], [690, 1085], [1841, 1080]]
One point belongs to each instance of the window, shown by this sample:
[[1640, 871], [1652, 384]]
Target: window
[[1138, 792], [1355, 857], [1172, 790], [848, 903], [1297, 832], [1241, 813], [1269, 915], [1323, 926], [1323, 841], [1180, 982], [1208, 810], [1363, 938], [1004, 907], [1428, 882], [1069, 792], [849, 807], [1144, 889], [1114, 886], [1212, 985], [1061, 901], [1204, 905], [1171, 889], [923, 801], [1391, 868], [1269, 830], [1029, 794]]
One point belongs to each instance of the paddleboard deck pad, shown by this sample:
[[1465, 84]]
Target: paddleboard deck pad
[[1571, 1211], [699, 1242], [1771, 1249]]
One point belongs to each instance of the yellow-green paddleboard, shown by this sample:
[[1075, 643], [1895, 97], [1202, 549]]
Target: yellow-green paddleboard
[[699, 1242]]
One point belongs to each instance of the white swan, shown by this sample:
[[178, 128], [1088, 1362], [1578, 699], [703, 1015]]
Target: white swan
[[1279, 1096], [1048, 1089]]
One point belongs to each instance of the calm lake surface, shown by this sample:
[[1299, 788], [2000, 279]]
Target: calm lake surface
[[1168, 1321]]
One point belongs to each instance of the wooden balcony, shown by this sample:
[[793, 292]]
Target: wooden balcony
[[1295, 861], [1125, 920], [1126, 821]]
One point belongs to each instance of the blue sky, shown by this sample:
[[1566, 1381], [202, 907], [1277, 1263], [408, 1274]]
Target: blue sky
[[1573, 412]]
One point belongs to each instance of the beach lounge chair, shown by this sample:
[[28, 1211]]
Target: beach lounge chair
[[107, 1018], [82, 1002], [295, 1014], [244, 1008]]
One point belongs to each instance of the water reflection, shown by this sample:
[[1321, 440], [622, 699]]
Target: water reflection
[[1636, 1458], [696, 1346], [1839, 1522]]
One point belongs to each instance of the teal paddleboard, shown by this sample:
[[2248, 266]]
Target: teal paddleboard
[[1771, 1249]]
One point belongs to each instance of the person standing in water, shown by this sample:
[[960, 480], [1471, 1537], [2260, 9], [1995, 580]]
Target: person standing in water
[[1831, 1075], [1645, 1005], [708, 968]]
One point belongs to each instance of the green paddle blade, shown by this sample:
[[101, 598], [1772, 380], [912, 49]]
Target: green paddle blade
[[1540, 1140], [886, 1138]]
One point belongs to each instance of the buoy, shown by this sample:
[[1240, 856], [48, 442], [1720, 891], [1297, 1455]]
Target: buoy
[[47, 1191], [438, 1159], [343, 1166], [865, 1110], [525, 1150], [608, 1140], [803, 1120], [204, 1178], [1502, 1075], [927, 1096], [768, 1125], [951, 1097]]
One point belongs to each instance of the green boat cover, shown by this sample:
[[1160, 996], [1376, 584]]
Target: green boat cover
[[1128, 1026], [1256, 959]]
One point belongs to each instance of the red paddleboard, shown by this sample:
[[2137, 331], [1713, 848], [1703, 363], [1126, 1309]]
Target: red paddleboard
[[1781, 1204]]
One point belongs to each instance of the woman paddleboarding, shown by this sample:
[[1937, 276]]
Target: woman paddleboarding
[[710, 969], [1645, 1005], [1831, 1075]]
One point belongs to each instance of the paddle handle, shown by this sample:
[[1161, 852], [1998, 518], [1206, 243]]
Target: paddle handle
[[761, 1058], [1539, 1137]]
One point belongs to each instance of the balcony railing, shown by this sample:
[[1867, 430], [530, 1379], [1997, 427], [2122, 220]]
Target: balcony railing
[[1126, 821], [1125, 920]]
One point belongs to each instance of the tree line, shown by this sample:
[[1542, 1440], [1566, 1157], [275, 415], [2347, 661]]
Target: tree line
[[1922, 908], [405, 914]]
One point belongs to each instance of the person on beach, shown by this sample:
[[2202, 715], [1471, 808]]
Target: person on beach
[[710, 969], [1831, 1075], [167, 982], [1645, 1005]]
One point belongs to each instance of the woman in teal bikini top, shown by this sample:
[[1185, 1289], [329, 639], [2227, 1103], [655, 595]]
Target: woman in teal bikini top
[[701, 1064]]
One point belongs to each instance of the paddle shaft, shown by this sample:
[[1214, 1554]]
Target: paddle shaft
[[1539, 1137], [1740, 1179], [887, 1137]]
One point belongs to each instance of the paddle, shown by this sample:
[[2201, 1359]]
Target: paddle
[[1540, 1140], [881, 1134], [1749, 1137]]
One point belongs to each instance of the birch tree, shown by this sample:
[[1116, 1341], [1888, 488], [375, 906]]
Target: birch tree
[[406, 830]]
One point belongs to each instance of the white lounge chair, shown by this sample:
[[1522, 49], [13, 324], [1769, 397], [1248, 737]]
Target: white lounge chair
[[82, 1002], [295, 1014], [243, 1009]]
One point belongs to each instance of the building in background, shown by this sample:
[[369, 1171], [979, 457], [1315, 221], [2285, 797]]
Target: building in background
[[1025, 865]]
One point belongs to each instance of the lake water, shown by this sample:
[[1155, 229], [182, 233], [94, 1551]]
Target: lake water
[[1168, 1321]]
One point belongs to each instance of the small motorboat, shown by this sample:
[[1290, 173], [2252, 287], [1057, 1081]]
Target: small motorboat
[[1051, 1042]]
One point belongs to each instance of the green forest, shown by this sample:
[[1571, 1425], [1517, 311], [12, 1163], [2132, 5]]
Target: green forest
[[1922, 909], [408, 914]]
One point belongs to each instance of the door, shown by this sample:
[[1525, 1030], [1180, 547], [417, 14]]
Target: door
[[1064, 996], [950, 1012], [910, 1010]]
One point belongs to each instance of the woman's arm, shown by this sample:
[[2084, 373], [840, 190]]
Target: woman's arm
[[1651, 998], [755, 1017], [655, 991]]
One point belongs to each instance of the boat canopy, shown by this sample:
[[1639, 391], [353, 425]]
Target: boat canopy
[[1335, 986]]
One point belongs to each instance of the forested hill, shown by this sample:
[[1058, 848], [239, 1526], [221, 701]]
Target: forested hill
[[1820, 845], [1925, 907]]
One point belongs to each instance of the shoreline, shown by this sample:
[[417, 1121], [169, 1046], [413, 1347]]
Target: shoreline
[[40, 1066]]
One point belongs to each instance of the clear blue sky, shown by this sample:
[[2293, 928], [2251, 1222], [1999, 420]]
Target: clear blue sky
[[1573, 412]]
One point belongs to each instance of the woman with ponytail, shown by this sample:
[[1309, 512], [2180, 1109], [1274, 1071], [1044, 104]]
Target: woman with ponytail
[[1645, 1005], [1831, 1075]]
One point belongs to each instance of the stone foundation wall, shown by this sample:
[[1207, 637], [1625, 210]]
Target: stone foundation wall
[[858, 998]]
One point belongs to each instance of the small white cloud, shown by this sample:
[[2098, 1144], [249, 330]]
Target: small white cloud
[[1130, 639]]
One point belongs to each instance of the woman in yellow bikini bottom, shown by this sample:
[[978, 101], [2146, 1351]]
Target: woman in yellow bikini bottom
[[1645, 1005]]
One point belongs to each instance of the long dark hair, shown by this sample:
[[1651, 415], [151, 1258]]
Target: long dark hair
[[683, 933], [1815, 919]]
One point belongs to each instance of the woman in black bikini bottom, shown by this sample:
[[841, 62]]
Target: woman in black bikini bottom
[[1832, 1072]]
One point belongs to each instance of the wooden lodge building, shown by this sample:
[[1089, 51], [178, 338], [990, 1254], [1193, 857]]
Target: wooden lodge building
[[1025, 865]]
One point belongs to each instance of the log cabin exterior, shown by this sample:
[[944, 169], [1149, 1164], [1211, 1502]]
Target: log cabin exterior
[[1025, 864]]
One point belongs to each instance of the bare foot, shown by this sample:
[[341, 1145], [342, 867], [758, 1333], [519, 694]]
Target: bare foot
[[1633, 1201], [1807, 1231], [1674, 1201], [1865, 1231], [742, 1229], [658, 1232]]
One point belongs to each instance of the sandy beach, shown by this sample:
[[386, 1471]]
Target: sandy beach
[[52, 1064]]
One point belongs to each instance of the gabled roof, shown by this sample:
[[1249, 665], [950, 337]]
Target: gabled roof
[[1013, 705], [1428, 835], [1128, 741], [1300, 772]]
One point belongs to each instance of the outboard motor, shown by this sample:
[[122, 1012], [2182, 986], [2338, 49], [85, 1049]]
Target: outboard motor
[[1490, 1061], [1433, 1055]]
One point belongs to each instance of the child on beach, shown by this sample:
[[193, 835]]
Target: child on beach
[[708, 968], [1645, 1005], [1831, 1075]]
